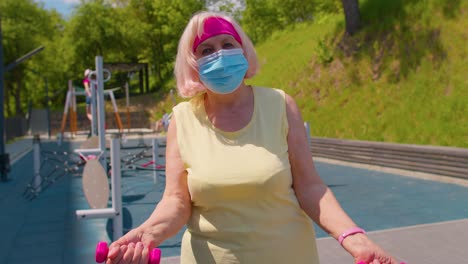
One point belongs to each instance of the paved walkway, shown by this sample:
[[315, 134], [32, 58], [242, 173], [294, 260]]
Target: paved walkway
[[417, 219], [436, 243], [18, 148]]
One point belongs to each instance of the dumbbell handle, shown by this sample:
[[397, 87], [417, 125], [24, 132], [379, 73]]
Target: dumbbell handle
[[102, 250]]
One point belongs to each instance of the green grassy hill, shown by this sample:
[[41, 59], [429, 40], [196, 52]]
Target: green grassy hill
[[403, 78]]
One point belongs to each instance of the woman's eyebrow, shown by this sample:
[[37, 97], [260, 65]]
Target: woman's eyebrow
[[229, 37], [204, 45]]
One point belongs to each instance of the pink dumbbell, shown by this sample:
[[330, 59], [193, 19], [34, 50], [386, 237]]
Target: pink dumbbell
[[102, 250]]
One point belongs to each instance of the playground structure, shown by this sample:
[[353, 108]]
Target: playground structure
[[70, 105], [70, 108]]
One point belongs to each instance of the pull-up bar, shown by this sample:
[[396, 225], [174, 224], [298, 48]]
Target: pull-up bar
[[25, 57]]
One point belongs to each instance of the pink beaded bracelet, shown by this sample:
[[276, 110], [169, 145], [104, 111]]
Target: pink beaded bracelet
[[351, 231], [362, 262]]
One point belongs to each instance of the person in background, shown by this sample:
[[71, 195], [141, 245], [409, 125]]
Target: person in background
[[87, 86], [163, 123], [239, 172]]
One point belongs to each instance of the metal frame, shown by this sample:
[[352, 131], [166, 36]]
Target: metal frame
[[115, 212]]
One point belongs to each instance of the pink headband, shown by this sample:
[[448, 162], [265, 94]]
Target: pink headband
[[214, 26]]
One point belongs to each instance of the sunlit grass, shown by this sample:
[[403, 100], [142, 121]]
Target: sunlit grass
[[406, 83]]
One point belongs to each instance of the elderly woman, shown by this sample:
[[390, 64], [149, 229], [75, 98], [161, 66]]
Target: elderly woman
[[239, 172]]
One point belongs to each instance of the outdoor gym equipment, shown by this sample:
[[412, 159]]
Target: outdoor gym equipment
[[49, 167], [95, 183], [97, 81], [94, 191], [101, 148], [102, 250]]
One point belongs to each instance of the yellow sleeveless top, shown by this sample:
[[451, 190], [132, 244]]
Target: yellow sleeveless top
[[244, 209]]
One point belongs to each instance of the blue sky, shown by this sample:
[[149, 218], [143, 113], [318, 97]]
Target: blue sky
[[64, 7]]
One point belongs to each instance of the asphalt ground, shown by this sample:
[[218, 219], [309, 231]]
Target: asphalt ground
[[418, 218]]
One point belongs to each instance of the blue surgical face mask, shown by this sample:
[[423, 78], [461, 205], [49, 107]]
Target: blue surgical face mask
[[223, 71]]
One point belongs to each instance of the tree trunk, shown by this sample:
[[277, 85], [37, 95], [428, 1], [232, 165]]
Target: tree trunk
[[352, 16]]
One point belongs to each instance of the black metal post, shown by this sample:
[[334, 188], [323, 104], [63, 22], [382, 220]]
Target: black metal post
[[47, 106], [147, 77], [4, 158]]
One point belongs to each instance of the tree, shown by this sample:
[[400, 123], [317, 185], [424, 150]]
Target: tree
[[163, 22], [352, 15], [260, 19], [26, 26], [234, 8], [94, 30], [293, 11]]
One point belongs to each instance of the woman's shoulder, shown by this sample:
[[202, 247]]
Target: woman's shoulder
[[192, 105], [269, 93], [267, 89], [181, 107], [182, 104]]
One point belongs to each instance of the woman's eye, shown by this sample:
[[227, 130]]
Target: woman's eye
[[206, 51], [228, 45]]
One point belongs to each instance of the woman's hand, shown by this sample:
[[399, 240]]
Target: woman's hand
[[134, 248], [365, 251]]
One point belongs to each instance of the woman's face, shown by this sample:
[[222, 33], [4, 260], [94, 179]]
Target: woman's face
[[215, 44]]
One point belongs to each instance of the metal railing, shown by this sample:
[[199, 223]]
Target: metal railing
[[447, 161]]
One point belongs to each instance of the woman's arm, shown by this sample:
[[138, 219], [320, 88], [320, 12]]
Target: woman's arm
[[316, 199], [174, 210], [169, 216]]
